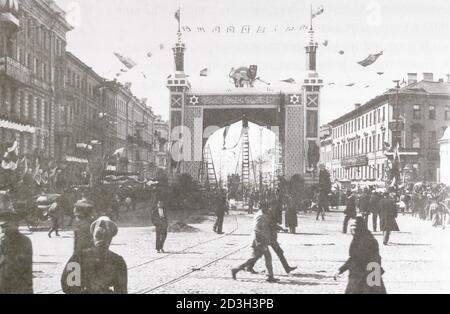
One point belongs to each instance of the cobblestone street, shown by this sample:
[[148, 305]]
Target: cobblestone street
[[199, 262]]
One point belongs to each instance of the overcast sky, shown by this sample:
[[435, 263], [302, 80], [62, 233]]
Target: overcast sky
[[413, 35]]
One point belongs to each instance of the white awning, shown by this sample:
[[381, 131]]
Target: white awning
[[76, 159], [16, 126]]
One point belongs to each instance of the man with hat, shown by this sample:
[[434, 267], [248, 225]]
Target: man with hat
[[82, 234], [97, 270], [16, 252], [260, 245]]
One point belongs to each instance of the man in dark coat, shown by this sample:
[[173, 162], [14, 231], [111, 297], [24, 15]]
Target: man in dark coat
[[374, 209], [388, 213], [96, 270], [82, 233], [161, 222], [350, 210], [16, 253], [291, 215], [364, 263], [221, 208], [364, 205]]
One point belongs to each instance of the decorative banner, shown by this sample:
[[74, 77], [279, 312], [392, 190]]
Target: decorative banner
[[370, 59], [204, 72], [129, 63], [289, 81], [341, 52], [242, 29]]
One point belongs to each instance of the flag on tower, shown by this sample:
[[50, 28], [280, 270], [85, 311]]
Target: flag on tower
[[370, 59], [178, 15], [204, 72], [318, 11]]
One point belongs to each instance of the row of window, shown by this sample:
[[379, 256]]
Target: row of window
[[361, 173], [359, 146], [35, 106], [371, 118], [417, 112]]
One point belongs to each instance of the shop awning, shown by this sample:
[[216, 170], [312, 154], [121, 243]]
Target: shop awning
[[5, 124], [76, 159]]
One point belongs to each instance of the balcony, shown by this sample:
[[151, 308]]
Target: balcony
[[9, 20], [13, 70]]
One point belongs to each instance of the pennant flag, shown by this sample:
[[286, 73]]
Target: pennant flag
[[161, 46], [129, 63], [119, 152], [380, 73], [143, 74], [149, 54], [325, 43], [341, 52], [332, 83], [351, 84], [370, 59], [204, 72], [178, 15], [367, 86], [123, 70], [318, 11], [118, 74], [169, 76], [10, 158], [289, 80]]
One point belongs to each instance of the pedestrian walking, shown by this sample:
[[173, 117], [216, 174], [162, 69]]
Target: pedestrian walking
[[82, 234], [16, 252], [322, 204], [53, 216], [221, 208], [101, 271], [291, 216], [374, 209], [260, 244], [363, 263], [364, 205], [350, 210], [388, 214], [161, 222]]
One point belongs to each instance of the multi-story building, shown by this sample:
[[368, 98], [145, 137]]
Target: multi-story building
[[79, 123], [326, 147], [161, 143], [32, 53], [414, 116]]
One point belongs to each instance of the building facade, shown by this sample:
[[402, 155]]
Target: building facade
[[161, 144], [326, 147], [32, 56], [414, 116], [444, 144]]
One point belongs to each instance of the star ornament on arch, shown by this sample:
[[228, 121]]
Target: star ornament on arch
[[295, 99], [193, 100]]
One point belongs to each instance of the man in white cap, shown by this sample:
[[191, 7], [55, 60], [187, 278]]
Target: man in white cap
[[16, 252], [96, 270]]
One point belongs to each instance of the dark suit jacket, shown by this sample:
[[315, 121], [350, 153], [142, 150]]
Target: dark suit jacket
[[16, 265], [157, 220]]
